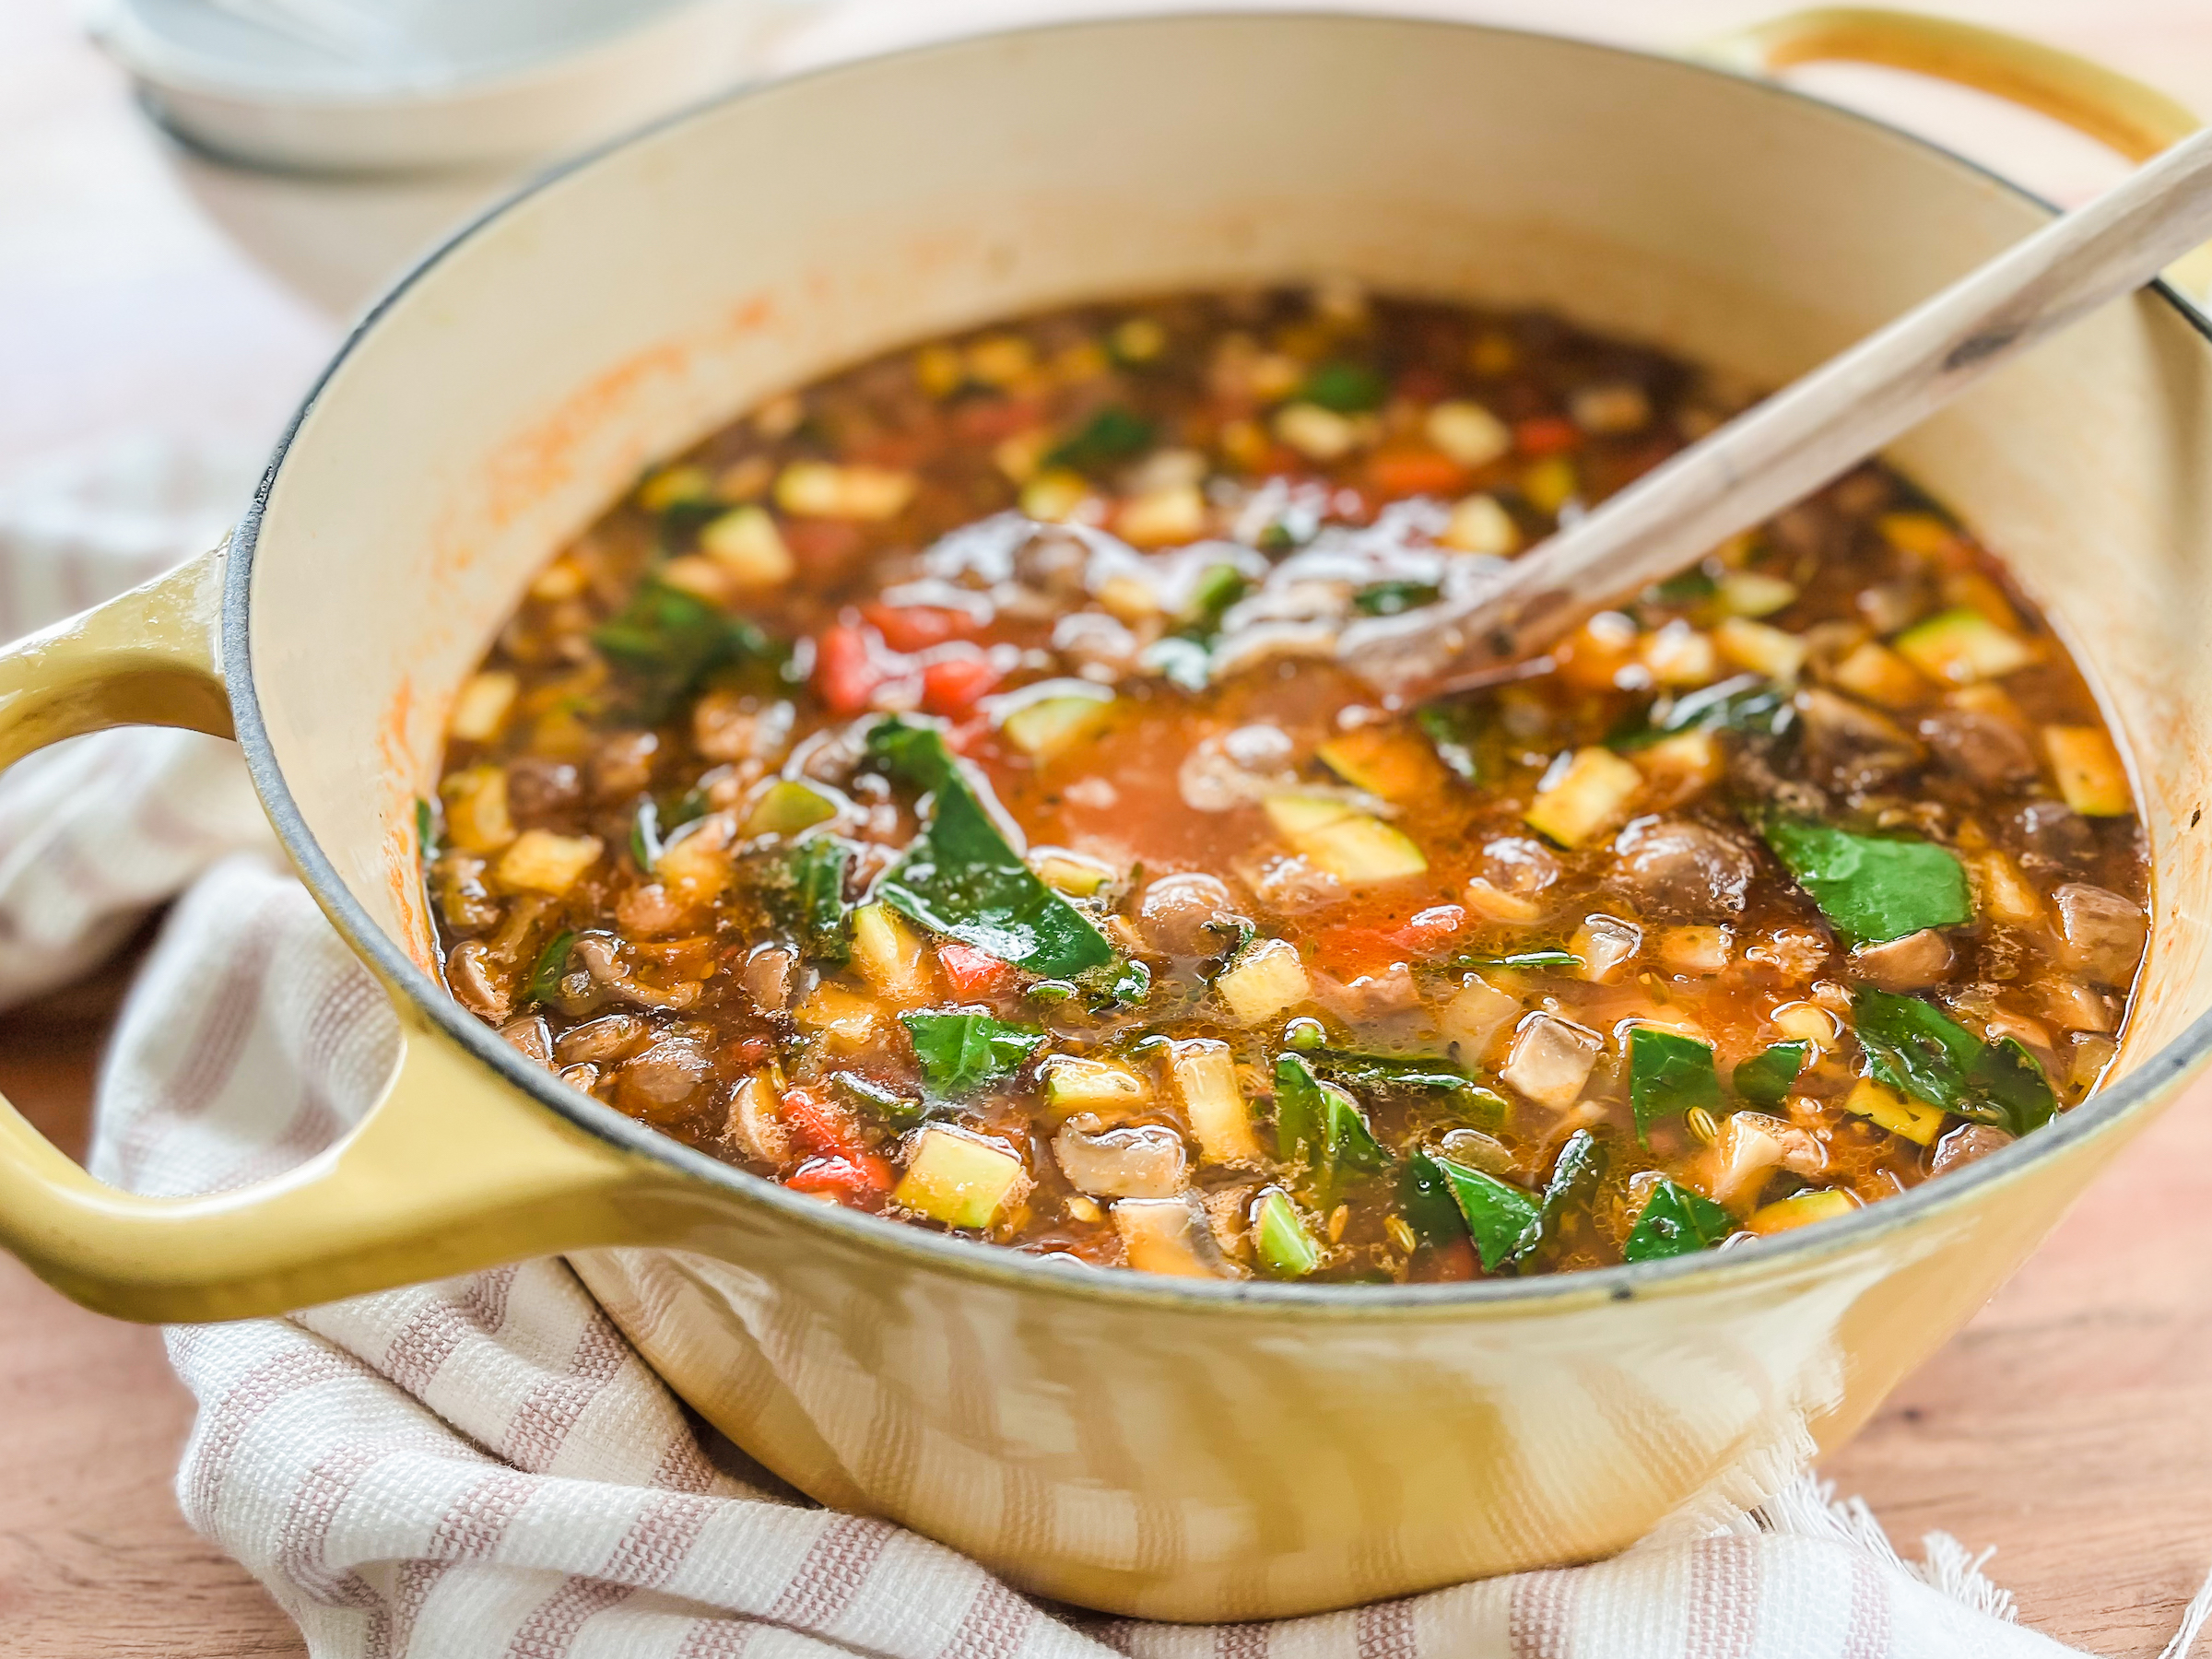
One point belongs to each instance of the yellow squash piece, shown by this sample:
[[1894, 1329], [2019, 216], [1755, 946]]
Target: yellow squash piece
[[788, 808], [887, 954], [541, 861], [1961, 646], [1392, 764], [1072, 1085], [1358, 849], [957, 1178], [1912, 1119], [2089, 770], [1583, 797], [1801, 1209], [1052, 726]]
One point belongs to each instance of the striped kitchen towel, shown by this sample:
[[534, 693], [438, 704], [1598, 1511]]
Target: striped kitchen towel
[[484, 1467]]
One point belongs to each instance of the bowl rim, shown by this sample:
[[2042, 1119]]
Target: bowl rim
[[1794, 1253]]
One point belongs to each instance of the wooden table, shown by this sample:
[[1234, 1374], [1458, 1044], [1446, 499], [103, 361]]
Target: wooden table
[[2070, 1424]]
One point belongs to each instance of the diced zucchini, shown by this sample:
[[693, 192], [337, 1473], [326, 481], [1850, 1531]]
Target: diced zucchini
[[824, 490], [1467, 432], [1583, 796], [1266, 978], [696, 866], [1761, 649], [887, 954], [1801, 1209], [1911, 1119], [675, 485], [1881, 676], [1055, 495], [541, 861], [1049, 727], [481, 708], [1206, 1080], [1393, 764], [787, 808], [2089, 770], [476, 819], [2001, 892], [749, 548], [1750, 593], [1072, 1085], [1682, 766], [1069, 873], [1360, 851], [1162, 518], [1286, 1249], [1314, 432], [1961, 646], [957, 1178], [1680, 655]]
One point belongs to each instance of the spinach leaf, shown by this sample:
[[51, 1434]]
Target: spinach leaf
[[1346, 387], [1502, 1220], [665, 641], [963, 1050], [1218, 587], [1112, 434], [1392, 598], [1873, 888], [1318, 1125], [1425, 1199], [1747, 703], [1668, 1074], [645, 834], [804, 888], [552, 963], [1464, 736], [894, 1108], [1913, 1047], [961, 876], [1394, 1074], [1765, 1078], [1675, 1222]]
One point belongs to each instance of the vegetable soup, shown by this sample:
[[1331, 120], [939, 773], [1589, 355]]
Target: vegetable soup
[[936, 792]]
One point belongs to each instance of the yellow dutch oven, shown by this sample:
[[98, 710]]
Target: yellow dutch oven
[[1157, 1447]]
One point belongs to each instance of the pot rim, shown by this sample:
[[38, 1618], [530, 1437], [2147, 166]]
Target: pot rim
[[1796, 1252]]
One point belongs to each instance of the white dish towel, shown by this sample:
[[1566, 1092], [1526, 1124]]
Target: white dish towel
[[483, 1467]]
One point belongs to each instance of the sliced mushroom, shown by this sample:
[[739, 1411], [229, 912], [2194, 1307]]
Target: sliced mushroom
[[1965, 1144], [1681, 870], [472, 973], [1980, 746], [1134, 1160], [600, 1040], [1171, 1236], [530, 1038], [767, 977], [1750, 1145], [1177, 914], [602, 956], [665, 1083], [1912, 963], [2102, 932], [1857, 747]]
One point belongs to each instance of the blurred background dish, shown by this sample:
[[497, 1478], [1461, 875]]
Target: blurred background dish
[[335, 139]]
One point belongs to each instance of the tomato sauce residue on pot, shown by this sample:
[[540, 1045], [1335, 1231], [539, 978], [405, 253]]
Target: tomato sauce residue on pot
[[935, 793]]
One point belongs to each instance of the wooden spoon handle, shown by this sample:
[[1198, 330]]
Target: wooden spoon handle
[[1781, 450]]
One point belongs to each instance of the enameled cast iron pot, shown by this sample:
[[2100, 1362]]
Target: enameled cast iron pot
[[1154, 1446]]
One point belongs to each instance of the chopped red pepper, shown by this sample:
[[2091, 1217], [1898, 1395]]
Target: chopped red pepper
[[1547, 435], [918, 626], [973, 972], [1423, 471], [851, 1179], [845, 671], [821, 1123], [1432, 929], [951, 687]]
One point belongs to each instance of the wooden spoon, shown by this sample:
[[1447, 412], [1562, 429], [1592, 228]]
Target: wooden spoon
[[1781, 450]]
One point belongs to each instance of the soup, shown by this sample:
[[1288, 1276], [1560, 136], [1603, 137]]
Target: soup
[[936, 792]]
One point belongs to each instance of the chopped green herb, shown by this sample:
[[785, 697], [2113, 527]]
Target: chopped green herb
[[1318, 1125], [1112, 435], [1346, 387], [1675, 1222], [1575, 1174], [1219, 586], [426, 830], [1765, 1078], [1287, 1249], [1913, 1047], [962, 1051], [962, 876], [552, 961], [1392, 598], [1466, 738], [1127, 983], [1393, 1074], [1873, 888], [1747, 703], [1050, 991], [897, 1110], [1549, 958], [665, 641], [645, 834], [1668, 1074], [1502, 1220]]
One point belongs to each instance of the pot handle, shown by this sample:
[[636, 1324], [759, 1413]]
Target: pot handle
[[451, 1170], [2119, 112]]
